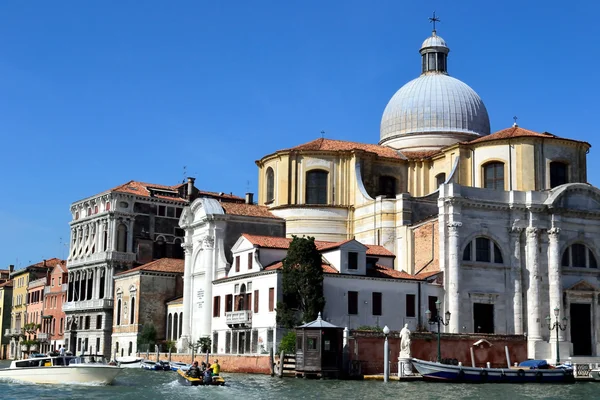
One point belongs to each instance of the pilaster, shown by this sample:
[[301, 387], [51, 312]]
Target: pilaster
[[515, 241], [453, 276], [533, 291], [555, 279]]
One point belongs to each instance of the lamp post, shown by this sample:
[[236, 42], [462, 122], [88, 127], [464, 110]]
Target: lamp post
[[439, 321], [556, 326], [386, 352]]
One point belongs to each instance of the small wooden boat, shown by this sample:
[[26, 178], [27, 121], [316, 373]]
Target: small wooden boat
[[189, 381], [524, 373]]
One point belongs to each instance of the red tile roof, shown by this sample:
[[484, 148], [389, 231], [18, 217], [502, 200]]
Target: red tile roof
[[328, 269], [6, 284], [323, 144], [516, 132], [419, 155], [250, 210], [145, 189], [272, 242], [380, 271], [172, 265]]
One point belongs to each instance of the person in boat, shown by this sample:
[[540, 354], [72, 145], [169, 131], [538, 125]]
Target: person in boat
[[216, 368], [203, 367], [207, 376], [194, 371]]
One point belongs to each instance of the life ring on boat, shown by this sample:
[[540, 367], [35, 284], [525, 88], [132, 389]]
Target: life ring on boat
[[520, 373], [484, 375], [461, 375], [538, 376]]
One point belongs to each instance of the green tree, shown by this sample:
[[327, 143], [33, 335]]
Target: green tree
[[302, 281], [148, 335]]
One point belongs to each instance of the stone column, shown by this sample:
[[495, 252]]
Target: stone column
[[187, 296], [453, 274], [533, 291], [94, 280], [515, 261], [208, 245], [129, 247], [555, 279]]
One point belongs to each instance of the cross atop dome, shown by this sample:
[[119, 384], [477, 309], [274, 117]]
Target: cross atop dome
[[433, 20]]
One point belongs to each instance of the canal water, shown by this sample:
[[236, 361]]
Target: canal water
[[140, 384]]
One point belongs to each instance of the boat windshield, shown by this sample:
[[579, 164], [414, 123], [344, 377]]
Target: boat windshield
[[89, 359]]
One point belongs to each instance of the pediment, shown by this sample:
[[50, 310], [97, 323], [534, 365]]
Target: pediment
[[583, 286]]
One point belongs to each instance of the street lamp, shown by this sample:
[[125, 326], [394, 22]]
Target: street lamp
[[386, 352], [439, 321], [556, 326]]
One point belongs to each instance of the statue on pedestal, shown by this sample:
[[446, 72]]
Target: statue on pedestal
[[405, 342]]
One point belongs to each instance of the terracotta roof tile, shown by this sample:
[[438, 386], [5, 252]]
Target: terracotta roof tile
[[8, 283], [515, 132], [172, 265], [328, 269], [323, 144], [379, 271], [419, 155], [272, 242], [145, 190], [250, 210]]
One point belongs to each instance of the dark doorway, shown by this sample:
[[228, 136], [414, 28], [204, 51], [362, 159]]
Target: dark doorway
[[581, 329], [483, 318]]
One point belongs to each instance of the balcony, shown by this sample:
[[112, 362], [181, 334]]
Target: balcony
[[238, 317], [63, 288], [117, 256], [96, 304], [13, 332], [43, 337]]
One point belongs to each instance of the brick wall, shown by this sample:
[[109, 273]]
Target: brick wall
[[426, 247], [367, 347], [229, 363]]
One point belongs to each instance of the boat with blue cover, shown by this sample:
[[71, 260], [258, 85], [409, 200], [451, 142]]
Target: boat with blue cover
[[528, 371]]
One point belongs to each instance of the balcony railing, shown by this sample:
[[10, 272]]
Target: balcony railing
[[63, 288], [13, 332], [88, 305], [42, 337], [238, 317], [117, 256]]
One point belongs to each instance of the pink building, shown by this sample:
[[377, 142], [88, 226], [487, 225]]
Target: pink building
[[53, 320], [35, 311]]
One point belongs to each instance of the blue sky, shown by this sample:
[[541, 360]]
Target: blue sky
[[96, 93]]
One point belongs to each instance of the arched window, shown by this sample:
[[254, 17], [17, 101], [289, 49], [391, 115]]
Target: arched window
[[107, 207], [387, 186], [316, 187], [122, 238], [578, 255], [270, 185], [130, 350], [493, 175], [558, 174], [132, 307], [482, 249], [180, 323], [118, 313], [440, 179], [175, 326], [170, 327]]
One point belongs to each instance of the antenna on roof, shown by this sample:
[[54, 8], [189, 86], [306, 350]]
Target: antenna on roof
[[515, 123], [184, 174], [322, 134]]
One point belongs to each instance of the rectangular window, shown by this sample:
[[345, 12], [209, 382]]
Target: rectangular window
[[237, 264], [217, 306], [271, 299], [482, 250], [178, 212], [248, 302], [352, 260], [432, 306], [250, 260], [171, 212], [60, 280], [352, 303], [256, 301], [215, 341], [228, 303], [52, 281], [227, 342], [162, 210], [377, 303], [98, 322], [410, 305]]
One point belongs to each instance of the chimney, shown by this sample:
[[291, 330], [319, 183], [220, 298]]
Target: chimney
[[44, 263], [190, 187], [11, 268], [249, 198]]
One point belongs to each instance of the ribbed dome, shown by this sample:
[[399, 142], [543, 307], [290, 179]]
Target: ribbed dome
[[434, 108], [434, 103]]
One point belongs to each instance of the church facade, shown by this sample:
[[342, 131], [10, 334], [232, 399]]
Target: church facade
[[508, 218]]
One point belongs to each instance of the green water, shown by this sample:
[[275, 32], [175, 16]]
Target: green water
[[141, 385]]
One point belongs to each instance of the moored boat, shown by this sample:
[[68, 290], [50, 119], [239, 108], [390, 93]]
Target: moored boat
[[189, 381], [524, 373], [176, 366], [61, 370], [156, 366], [129, 362]]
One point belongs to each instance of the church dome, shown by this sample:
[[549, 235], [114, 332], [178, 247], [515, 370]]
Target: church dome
[[435, 109]]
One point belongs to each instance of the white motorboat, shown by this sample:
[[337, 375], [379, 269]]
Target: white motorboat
[[176, 365], [595, 374], [129, 362], [61, 370]]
